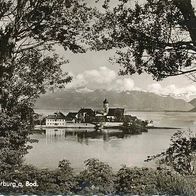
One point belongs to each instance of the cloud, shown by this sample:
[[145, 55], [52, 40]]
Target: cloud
[[84, 90], [105, 78], [124, 84], [103, 75], [172, 90], [78, 81], [101, 78]]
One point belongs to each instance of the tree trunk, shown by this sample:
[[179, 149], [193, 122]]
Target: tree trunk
[[187, 10]]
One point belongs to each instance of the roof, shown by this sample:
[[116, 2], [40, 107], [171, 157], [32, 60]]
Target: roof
[[129, 118], [116, 112], [89, 111], [71, 115], [105, 101], [56, 115], [99, 112]]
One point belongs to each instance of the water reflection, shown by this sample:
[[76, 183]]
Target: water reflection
[[81, 136], [111, 147]]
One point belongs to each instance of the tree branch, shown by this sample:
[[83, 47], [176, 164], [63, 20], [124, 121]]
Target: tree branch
[[180, 73]]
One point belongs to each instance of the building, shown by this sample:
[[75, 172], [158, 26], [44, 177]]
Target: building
[[105, 107], [129, 118], [109, 114], [72, 117], [115, 114], [86, 115], [56, 119], [112, 114]]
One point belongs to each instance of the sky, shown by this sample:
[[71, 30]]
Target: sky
[[93, 70]]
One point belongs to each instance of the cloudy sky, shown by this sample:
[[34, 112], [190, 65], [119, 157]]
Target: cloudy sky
[[92, 70]]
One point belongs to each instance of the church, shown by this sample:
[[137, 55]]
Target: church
[[109, 114]]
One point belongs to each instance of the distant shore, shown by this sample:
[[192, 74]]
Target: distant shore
[[127, 109], [153, 127]]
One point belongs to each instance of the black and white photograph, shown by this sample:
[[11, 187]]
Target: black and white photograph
[[98, 97]]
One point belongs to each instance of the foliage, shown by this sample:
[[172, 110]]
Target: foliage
[[96, 178], [27, 29], [135, 181], [134, 126], [13, 141], [65, 177], [61, 180], [169, 183], [157, 37], [180, 153], [30, 31]]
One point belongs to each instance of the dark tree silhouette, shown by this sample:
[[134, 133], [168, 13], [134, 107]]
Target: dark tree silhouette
[[157, 37], [29, 32]]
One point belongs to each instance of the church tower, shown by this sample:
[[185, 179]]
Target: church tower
[[105, 106]]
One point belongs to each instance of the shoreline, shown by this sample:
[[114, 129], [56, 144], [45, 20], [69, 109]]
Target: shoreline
[[153, 127], [44, 127]]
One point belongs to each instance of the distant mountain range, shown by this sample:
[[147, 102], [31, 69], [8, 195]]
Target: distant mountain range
[[133, 100], [193, 102]]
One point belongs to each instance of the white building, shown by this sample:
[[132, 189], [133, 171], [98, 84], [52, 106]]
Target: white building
[[56, 120]]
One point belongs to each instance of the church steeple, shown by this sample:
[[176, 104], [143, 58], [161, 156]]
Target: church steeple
[[105, 106]]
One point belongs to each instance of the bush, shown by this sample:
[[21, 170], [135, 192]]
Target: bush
[[169, 183], [144, 181], [61, 180], [134, 127], [96, 178], [179, 155], [135, 181]]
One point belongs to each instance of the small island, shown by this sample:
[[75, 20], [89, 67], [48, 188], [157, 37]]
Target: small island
[[107, 118]]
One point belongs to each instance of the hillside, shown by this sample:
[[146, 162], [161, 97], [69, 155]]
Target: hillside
[[133, 100], [193, 102]]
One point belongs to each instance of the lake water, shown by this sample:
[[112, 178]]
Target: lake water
[[111, 147]]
